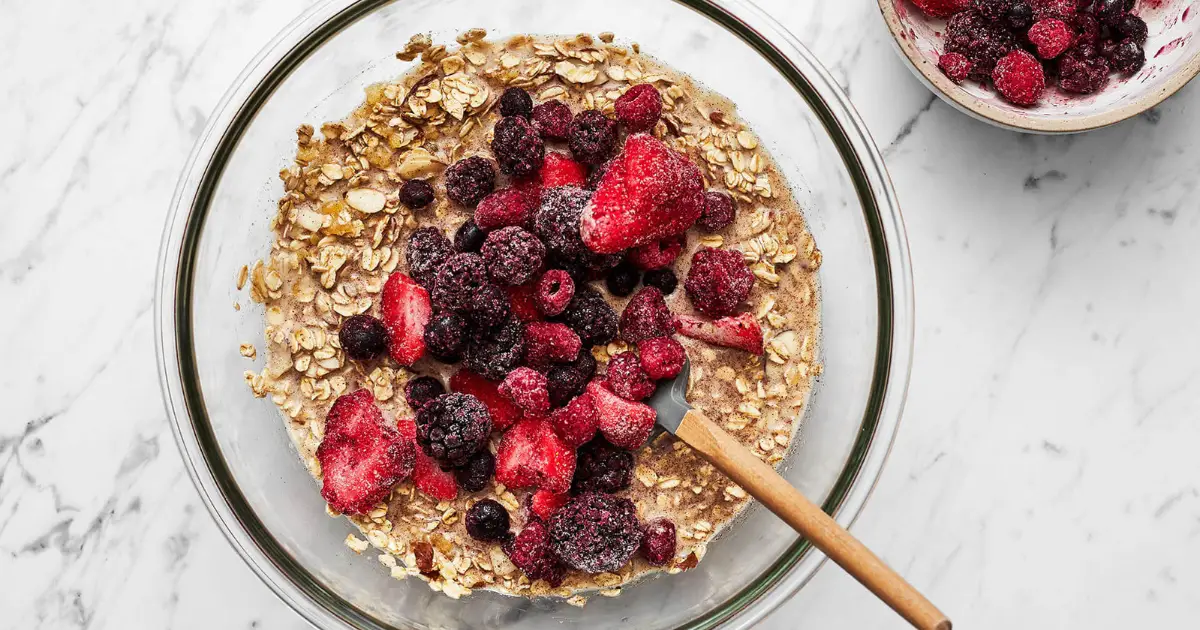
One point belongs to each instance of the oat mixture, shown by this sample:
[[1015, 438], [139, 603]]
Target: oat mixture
[[341, 231]]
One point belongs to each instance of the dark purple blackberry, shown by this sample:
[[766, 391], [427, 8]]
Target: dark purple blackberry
[[453, 427], [662, 279], [566, 381], [1128, 57], [590, 316], [596, 533], [363, 337], [592, 137], [446, 337], [469, 180], [459, 282], [469, 238], [518, 147], [416, 193], [969, 34], [1109, 12], [494, 356], [552, 119], [1082, 70], [719, 211], [1019, 16], [491, 308], [513, 256], [428, 249], [1133, 27], [474, 475], [488, 521], [1087, 29], [602, 467], [622, 279], [516, 102], [993, 10], [421, 391], [556, 223]]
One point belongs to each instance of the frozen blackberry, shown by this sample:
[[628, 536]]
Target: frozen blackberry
[[492, 307], [556, 223], [453, 427], [1082, 70], [622, 279], [1019, 16], [602, 467], [428, 249], [488, 521], [567, 381], [592, 137], [363, 337], [590, 316], [1087, 29], [718, 281], [1109, 12], [595, 533], [1133, 27], [658, 542], [595, 175], [993, 10], [416, 193], [514, 256], [969, 34], [446, 337], [552, 119], [719, 211], [516, 102], [1128, 57], [469, 238], [495, 355], [459, 282], [421, 391], [518, 147], [469, 180], [662, 279], [474, 475]]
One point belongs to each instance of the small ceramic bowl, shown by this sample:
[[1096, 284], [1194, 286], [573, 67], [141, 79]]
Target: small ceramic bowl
[[1172, 59]]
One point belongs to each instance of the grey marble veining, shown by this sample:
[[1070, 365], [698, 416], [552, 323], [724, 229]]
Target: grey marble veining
[[1044, 475]]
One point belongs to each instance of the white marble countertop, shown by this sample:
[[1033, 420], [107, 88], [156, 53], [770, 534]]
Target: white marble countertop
[[1045, 474]]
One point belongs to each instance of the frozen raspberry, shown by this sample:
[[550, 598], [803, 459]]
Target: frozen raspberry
[[659, 254], [453, 427], [492, 307], [1109, 12], [595, 532], [646, 316], [532, 553], [416, 193], [516, 102], [980, 41], [1056, 9], [1052, 37], [639, 107], [627, 379], [428, 248], [495, 355], [1082, 70], [363, 337], [719, 280], [543, 503], [554, 292], [719, 211], [553, 120], [487, 520], [662, 357], [504, 413], [662, 279], [523, 303], [624, 423], [446, 337], [622, 279], [1128, 57], [1019, 78], [459, 282], [569, 380], [1020, 16], [362, 456], [505, 207], [1133, 27], [602, 467], [468, 181], [469, 238], [576, 422], [526, 388], [590, 316], [474, 475], [592, 137], [513, 256], [421, 391], [941, 8], [518, 147], [658, 542], [547, 343], [955, 66]]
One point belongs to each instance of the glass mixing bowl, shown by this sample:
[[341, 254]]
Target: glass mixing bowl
[[244, 464]]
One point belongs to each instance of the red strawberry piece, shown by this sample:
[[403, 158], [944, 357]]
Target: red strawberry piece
[[661, 357], [576, 422], [543, 503], [646, 316], [627, 379], [624, 423], [956, 66], [504, 413], [942, 8], [533, 554], [658, 255], [648, 193], [361, 455], [531, 455], [428, 475], [523, 301], [405, 310], [527, 389], [1052, 37], [1019, 78], [531, 188], [639, 107], [741, 331], [505, 207], [560, 170], [550, 343]]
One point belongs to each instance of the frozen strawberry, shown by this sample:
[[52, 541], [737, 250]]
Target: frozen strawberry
[[560, 170], [523, 303], [624, 423], [428, 475], [504, 413], [531, 455], [543, 503], [503, 208], [405, 310], [576, 422], [361, 455], [658, 255], [646, 316], [741, 331], [648, 193], [661, 357], [1052, 37], [1019, 78], [941, 8], [526, 388], [550, 343], [627, 379]]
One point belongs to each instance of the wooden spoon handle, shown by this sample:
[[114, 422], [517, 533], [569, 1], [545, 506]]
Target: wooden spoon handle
[[763, 483]]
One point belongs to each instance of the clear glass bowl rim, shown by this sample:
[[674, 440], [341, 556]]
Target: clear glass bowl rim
[[185, 222]]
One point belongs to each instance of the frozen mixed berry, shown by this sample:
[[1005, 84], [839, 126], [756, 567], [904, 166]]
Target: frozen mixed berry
[[469, 180], [993, 10], [1082, 70], [941, 8], [404, 309], [526, 388], [474, 475], [1133, 27], [596, 174], [453, 427], [523, 303], [421, 391], [428, 248], [556, 222], [516, 102], [554, 291], [662, 357], [494, 356], [1052, 37], [1128, 57], [1087, 29], [568, 380], [955, 66], [361, 454], [622, 279], [469, 238], [518, 147], [1020, 16], [646, 316], [623, 422], [658, 254], [363, 337], [428, 476], [553, 120], [547, 343], [533, 554], [504, 413], [544, 503], [592, 137], [416, 193], [492, 307], [602, 467], [596, 532], [983, 43], [740, 331], [576, 422], [488, 521], [639, 107], [446, 337], [513, 255], [1019, 78], [719, 211], [627, 379], [664, 280], [1056, 9], [1109, 12], [505, 207], [560, 170], [719, 280], [459, 282], [658, 542], [590, 316]]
